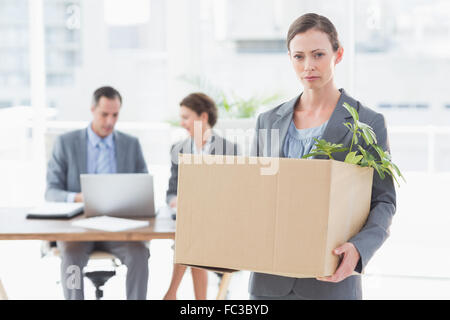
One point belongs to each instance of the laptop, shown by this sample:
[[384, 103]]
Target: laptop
[[125, 195]]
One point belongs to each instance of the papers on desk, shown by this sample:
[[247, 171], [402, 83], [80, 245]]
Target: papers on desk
[[56, 210], [111, 224]]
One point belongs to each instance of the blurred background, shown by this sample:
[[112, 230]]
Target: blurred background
[[55, 53]]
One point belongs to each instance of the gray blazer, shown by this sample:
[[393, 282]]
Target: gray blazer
[[69, 160], [382, 209], [220, 146]]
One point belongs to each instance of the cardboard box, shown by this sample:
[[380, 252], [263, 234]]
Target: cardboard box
[[231, 216]]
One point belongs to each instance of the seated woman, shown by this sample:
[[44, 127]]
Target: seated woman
[[198, 114]]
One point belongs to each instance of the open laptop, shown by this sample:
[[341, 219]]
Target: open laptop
[[125, 195]]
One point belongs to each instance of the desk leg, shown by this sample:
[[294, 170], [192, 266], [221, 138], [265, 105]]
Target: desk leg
[[3, 295], [223, 288]]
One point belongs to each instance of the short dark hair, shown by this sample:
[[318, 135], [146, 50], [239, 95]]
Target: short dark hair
[[200, 102], [107, 92], [313, 21]]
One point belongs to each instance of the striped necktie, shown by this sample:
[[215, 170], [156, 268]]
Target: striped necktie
[[103, 165]]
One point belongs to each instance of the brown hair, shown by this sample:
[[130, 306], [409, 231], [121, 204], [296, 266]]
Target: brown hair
[[313, 21], [200, 102], [107, 92]]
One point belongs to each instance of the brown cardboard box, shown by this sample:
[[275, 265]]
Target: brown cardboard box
[[232, 216]]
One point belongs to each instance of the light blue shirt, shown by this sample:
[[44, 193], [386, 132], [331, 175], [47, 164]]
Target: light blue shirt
[[206, 149], [299, 142], [93, 152]]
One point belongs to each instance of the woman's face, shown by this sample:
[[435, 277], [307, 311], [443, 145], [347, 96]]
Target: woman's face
[[189, 117], [313, 58]]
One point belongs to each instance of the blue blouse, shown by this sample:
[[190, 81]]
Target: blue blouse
[[299, 142]]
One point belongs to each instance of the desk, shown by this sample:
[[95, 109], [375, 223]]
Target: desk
[[15, 226]]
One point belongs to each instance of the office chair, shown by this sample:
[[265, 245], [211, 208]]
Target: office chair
[[97, 277], [225, 278]]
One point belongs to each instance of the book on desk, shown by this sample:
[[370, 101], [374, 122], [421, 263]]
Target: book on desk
[[56, 210]]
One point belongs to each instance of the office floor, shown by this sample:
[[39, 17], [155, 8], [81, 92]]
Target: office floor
[[26, 275]]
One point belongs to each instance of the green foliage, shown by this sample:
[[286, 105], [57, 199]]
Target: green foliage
[[324, 148], [353, 158], [382, 162], [229, 104], [358, 128], [173, 122]]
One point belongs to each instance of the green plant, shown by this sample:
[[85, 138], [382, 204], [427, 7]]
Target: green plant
[[325, 148], [382, 163], [229, 104], [173, 122]]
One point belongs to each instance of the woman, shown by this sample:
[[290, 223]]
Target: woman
[[198, 114], [314, 51]]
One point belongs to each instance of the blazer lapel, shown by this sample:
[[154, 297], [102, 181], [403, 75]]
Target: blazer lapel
[[216, 141], [184, 148], [188, 146], [120, 147], [282, 124], [335, 130], [82, 151]]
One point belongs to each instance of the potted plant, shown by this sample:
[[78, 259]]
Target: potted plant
[[356, 153], [234, 111]]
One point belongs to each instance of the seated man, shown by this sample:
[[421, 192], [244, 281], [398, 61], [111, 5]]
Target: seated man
[[97, 149]]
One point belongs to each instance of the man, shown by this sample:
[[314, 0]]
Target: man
[[97, 149]]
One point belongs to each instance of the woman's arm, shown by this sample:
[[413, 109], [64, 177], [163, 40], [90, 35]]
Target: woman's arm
[[382, 207], [359, 249]]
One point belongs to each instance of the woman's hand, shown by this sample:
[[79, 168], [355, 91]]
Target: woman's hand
[[347, 265]]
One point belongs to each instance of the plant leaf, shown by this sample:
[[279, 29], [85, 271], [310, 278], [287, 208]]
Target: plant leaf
[[367, 133], [322, 147], [353, 158], [352, 111], [377, 167], [349, 126], [313, 154], [380, 152], [397, 170]]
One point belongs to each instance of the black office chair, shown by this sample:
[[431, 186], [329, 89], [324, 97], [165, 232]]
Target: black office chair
[[97, 277]]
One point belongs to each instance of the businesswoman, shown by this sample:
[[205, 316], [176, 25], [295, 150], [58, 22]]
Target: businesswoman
[[315, 51], [198, 115]]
